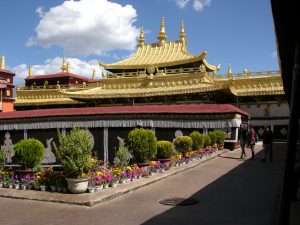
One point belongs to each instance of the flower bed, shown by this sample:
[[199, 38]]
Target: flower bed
[[102, 175]]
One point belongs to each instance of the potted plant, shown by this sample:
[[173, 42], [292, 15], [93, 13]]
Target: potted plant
[[29, 154], [213, 137], [75, 153], [142, 145], [164, 151], [198, 140], [220, 138], [183, 144]]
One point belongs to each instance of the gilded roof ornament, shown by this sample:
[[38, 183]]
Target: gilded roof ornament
[[229, 72], [68, 67], [162, 36], [63, 65], [30, 71], [94, 75], [141, 38], [2, 66], [182, 34]]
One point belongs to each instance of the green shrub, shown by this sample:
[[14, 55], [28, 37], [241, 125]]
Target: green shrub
[[207, 140], [220, 137], [142, 144], [164, 149], [213, 137], [2, 158], [29, 153], [123, 156], [198, 140], [75, 151], [183, 144]]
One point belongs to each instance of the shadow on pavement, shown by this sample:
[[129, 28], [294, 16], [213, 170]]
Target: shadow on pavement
[[247, 194]]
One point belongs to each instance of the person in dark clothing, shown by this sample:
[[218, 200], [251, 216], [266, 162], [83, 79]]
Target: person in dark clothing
[[243, 139], [268, 144], [251, 141]]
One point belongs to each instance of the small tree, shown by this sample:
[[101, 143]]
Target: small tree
[[220, 137], [164, 149], [29, 153], [213, 137], [123, 156], [142, 144], [75, 151], [207, 140], [198, 140], [183, 144]]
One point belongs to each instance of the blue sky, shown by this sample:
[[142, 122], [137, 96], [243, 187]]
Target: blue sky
[[40, 33]]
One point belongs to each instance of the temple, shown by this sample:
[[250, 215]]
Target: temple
[[162, 86]]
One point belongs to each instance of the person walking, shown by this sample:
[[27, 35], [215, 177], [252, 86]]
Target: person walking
[[251, 140], [267, 144], [243, 139]]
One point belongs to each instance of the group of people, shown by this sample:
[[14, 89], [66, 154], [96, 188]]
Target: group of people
[[249, 137]]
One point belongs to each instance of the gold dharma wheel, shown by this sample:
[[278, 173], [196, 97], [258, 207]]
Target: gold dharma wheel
[[151, 69]]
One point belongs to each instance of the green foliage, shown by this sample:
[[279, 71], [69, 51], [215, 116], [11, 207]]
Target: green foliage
[[164, 149], [123, 157], [220, 137], [142, 144], [198, 140], [213, 137], [183, 144], [29, 153], [75, 152], [2, 158], [207, 140]]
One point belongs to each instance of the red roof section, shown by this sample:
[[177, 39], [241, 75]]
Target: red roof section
[[56, 75], [6, 71], [145, 109]]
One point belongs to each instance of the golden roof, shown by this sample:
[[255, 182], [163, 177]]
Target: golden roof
[[161, 54], [27, 97], [169, 54], [147, 87], [192, 81]]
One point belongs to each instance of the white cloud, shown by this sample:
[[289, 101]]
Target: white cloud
[[274, 54], [40, 11], [181, 3], [87, 27], [50, 66], [198, 5]]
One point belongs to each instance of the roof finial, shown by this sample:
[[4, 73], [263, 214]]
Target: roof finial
[[68, 67], [162, 34], [141, 38], [2, 66], [182, 34], [229, 72], [94, 74], [30, 71], [229, 69], [63, 65]]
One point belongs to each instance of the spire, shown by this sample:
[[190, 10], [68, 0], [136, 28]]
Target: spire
[[68, 67], [94, 75], [2, 66], [182, 34], [229, 72], [162, 34], [30, 71], [63, 65], [141, 38]]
